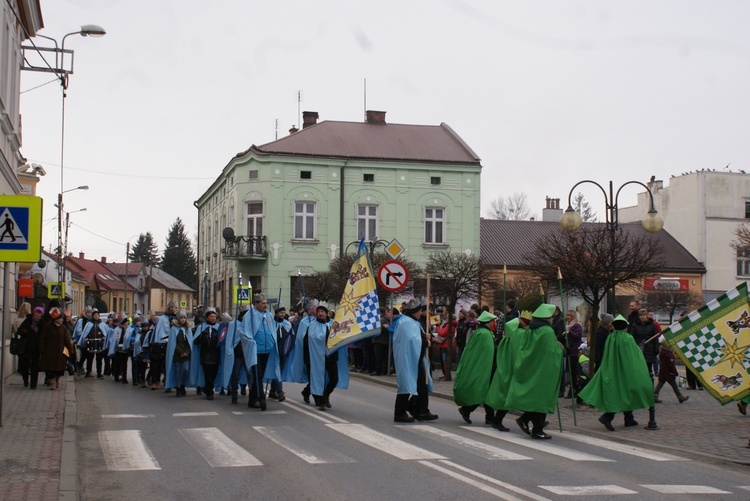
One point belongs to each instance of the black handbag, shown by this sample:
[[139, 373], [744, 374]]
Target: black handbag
[[17, 345]]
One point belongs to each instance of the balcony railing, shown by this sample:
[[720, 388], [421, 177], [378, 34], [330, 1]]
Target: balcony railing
[[245, 248]]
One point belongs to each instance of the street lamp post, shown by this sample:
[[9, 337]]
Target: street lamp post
[[652, 223], [60, 242], [64, 262]]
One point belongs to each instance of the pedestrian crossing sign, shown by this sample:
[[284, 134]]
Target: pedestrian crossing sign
[[242, 294], [55, 290], [20, 228]]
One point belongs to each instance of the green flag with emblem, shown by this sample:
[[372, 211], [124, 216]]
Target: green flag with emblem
[[714, 343]]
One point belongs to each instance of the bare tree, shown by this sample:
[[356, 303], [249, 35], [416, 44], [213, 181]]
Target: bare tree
[[583, 208], [741, 237], [591, 263], [514, 207], [670, 301]]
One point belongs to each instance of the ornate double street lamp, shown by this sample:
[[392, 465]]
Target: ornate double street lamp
[[652, 223]]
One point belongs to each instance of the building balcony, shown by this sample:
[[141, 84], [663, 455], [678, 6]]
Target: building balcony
[[245, 248]]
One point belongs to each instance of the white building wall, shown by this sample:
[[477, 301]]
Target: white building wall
[[702, 211]]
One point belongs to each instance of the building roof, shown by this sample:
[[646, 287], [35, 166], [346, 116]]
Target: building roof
[[506, 242], [368, 141], [160, 279], [97, 274]]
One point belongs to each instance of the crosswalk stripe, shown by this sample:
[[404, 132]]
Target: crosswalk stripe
[[124, 450], [194, 414], [467, 444], [470, 481], [384, 443], [617, 447], [266, 413], [324, 417], [302, 446], [587, 490], [127, 416], [218, 449], [684, 489], [491, 480], [540, 445]]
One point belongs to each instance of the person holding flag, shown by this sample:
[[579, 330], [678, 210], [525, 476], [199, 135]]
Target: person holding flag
[[327, 371]]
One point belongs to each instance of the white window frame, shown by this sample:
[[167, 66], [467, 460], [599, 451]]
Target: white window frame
[[432, 222], [367, 219], [255, 216], [743, 262], [303, 218]]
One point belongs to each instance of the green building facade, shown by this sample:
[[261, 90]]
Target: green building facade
[[289, 207]]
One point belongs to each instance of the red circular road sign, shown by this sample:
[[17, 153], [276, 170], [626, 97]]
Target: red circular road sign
[[393, 276]]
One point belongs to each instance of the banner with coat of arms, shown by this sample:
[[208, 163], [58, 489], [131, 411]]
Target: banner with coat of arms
[[358, 313], [714, 343]]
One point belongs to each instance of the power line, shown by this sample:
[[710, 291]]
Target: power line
[[129, 175]]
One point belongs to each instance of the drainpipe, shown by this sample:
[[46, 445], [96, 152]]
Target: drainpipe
[[341, 208]]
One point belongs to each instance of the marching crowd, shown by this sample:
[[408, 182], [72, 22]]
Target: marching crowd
[[523, 363]]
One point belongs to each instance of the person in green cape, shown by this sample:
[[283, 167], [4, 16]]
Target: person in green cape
[[475, 370], [622, 382], [536, 374], [505, 359]]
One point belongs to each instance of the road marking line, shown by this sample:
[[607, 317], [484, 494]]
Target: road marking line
[[218, 449], [539, 445], [588, 490], [302, 446], [472, 446], [614, 446], [325, 418], [267, 413], [124, 450], [194, 414], [684, 489], [483, 487], [510, 487], [383, 442], [127, 416]]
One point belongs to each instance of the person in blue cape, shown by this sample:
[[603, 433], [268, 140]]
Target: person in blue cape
[[140, 353], [178, 354], [128, 347], [224, 320], [410, 345], [297, 369], [158, 344], [235, 371], [258, 325], [284, 342], [119, 352], [91, 341], [326, 370], [77, 331], [206, 349]]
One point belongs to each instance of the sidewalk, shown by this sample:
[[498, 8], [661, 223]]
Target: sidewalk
[[38, 458], [699, 428]]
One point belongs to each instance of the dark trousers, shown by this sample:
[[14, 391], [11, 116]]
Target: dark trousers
[[609, 416], [120, 366], [237, 368], [332, 371], [209, 374], [107, 364], [140, 366], [29, 369], [156, 358], [381, 358], [489, 412], [537, 420], [420, 404], [90, 356], [257, 393]]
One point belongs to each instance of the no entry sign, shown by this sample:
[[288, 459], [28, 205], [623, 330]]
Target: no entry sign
[[393, 276]]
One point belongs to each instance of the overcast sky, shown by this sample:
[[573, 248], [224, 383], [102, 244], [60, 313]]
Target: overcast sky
[[547, 93]]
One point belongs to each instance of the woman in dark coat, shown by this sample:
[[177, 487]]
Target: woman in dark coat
[[55, 339], [30, 331]]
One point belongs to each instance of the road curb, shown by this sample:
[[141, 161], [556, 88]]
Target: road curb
[[68, 487]]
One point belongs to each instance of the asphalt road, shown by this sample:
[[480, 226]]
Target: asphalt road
[[140, 444]]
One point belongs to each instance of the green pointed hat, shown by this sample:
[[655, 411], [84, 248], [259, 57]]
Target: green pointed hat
[[618, 321], [486, 317], [544, 311]]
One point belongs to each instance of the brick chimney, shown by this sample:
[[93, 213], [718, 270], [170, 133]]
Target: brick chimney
[[104, 259], [376, 117], [309, 118], [552, 212], [81, 255], [293, 130]]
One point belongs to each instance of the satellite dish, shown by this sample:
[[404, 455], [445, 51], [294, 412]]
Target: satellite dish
[[228, 233], [42, 263]]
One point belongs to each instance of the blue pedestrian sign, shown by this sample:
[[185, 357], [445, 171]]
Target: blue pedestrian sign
[[20, 228], [242, 294]]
